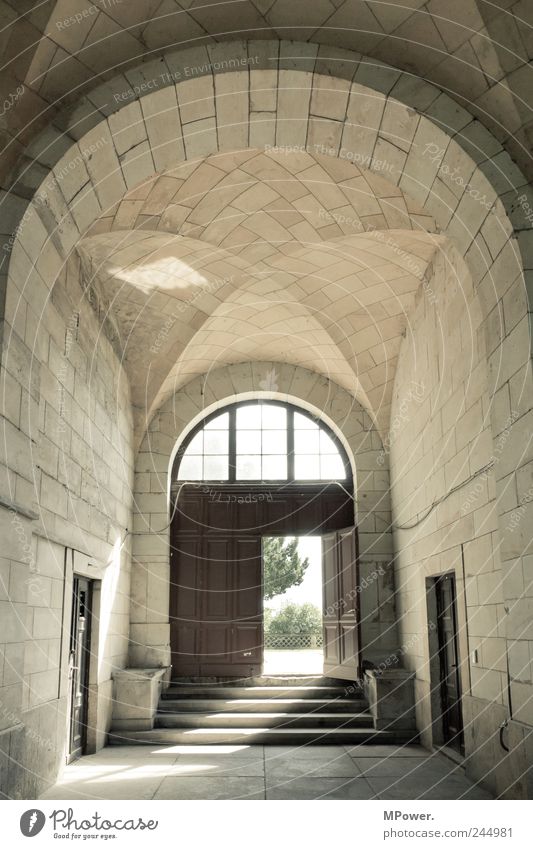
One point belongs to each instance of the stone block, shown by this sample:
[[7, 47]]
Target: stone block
[[262, 129], [263, 90], [163, 126], [196, 99], [200, 138], [135, 697], [329, 98], [232, 104], [294, 95], [391, 698], [103, 166]]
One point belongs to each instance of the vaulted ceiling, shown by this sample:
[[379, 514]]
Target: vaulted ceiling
[[477, 50], [290, 258]]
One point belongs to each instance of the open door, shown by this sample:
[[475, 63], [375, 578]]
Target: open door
[[80, 636], [341, 605], [450, 678]]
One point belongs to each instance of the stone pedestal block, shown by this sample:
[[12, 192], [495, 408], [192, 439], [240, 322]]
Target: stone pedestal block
[[391, 698], [135, 697]]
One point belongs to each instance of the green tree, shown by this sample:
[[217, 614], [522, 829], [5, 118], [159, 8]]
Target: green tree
[[296, 619], [283, 566]]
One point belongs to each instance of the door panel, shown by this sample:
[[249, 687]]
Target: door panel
[[450, 681], [248, 644], [329, 576], [340, 615], [248, 601], [80, 635], [188, 587], [216, 644], [216, 567], [220, 633]]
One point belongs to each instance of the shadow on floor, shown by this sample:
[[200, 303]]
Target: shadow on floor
[[264, 772]]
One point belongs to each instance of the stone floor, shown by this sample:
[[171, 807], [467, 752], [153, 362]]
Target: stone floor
[[264, 772]]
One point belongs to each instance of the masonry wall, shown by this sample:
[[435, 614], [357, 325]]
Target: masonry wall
[[151, 547], [442, 440], [66, 481]]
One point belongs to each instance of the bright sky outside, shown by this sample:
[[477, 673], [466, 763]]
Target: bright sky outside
[[311, 587]]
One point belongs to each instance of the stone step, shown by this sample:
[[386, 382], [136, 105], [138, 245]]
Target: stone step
[[274, 705], [262, 681], [263, 720], [260, 736], [260, 692]]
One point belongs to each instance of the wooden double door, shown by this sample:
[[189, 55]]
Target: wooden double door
[[216, 594]]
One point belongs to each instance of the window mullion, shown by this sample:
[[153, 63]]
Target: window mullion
[[290, 444], [232, 444]]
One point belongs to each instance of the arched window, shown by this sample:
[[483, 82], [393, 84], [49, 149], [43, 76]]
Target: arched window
[[262, 441]]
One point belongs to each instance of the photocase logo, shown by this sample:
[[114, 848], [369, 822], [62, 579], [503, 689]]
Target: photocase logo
[[270, 383], [32, 822]]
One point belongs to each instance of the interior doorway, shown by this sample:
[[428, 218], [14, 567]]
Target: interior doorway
[[79, 656], [450, 680], [444, 662], [292, 605]]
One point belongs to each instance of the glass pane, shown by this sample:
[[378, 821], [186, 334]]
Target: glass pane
[[216, 468], [327, 446], [307, 467], [196, 445], [306, 441], [248, 467], [218, 423], [190, 468], [216, 442], [249, 416], [249, 442], [275, 467], [332, 467], [274, 442], [274, 418], [304, 423]]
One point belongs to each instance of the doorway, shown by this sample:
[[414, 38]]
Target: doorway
[[216, 594], [444, 663], [253, 470], [292, 605], [79, 657]]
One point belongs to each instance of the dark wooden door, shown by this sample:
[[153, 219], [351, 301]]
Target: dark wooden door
[[450, 679], [80, 636], [216, 607], [341, 612]]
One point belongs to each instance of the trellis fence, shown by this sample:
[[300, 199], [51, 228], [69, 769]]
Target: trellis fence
[[293, 641]]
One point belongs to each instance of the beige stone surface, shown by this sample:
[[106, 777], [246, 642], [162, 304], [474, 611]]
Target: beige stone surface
[[166, 236]]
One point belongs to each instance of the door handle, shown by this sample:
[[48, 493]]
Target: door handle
[[247, 654]]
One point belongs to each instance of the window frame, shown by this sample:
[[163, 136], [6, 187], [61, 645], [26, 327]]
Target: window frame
[[232, 448]]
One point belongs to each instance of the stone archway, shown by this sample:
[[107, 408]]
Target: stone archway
[[150, 570], [126, 149], [475, 205]]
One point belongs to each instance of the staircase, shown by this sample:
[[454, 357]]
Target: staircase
[[280, 711]]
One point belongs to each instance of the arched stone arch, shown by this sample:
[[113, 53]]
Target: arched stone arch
[[469, 194], [151, 568], [466, 183]]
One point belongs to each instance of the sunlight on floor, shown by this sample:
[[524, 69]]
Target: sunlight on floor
[[270, 772], [297, 662]]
